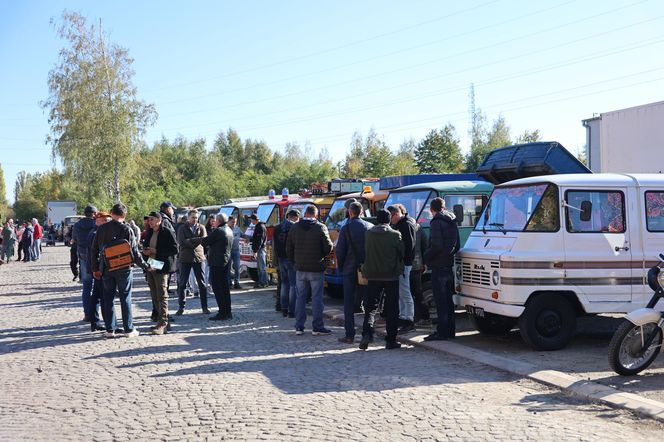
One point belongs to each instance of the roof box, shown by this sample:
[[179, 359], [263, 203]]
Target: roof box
[[531, 159], [395, 182]]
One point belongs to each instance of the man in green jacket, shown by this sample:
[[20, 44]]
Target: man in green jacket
[[307, 246], [383, 263]]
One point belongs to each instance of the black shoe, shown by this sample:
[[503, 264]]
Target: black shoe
[[406, 328], [74, 278], [391, 345], [217, 317], [284, 313], [364, 343], [237, 286], [347, 340], [95, 326], [277, 307], [435, 337], [206, 311], [257, 286], [179, 312]]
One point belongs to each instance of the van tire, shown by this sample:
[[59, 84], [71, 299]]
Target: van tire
[[493, 325], [548, 323]]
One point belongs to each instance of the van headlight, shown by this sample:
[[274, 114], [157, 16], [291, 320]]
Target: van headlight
[[660, 279], [495, 277], [458, 272]]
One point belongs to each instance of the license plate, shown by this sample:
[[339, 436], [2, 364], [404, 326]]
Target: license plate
[[477, 311]]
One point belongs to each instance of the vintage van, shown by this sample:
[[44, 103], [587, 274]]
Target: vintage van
[[548, 249]]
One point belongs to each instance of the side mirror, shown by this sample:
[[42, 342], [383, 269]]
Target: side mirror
[[586, 210], [458, 213]]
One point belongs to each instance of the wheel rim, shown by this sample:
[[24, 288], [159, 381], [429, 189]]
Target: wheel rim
[[632, 354], [549, 323]]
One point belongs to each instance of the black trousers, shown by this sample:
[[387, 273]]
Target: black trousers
[[183, 277], [96, 302], [73, 261], [421, 310], [391, 308], [220, 287], [442, 283]]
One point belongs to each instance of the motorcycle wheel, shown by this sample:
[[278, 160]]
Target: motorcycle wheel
[[627, 356]]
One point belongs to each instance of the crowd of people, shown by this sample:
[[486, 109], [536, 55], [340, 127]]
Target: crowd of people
[[378, 263], [23, 237]]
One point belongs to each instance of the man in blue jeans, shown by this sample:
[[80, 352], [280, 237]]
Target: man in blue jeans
[[307, 246], [119, 281], [350, 255], [79, 238], [287, 274]]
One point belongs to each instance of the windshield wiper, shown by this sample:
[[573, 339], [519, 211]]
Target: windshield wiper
[[500, 226], [487, 210]]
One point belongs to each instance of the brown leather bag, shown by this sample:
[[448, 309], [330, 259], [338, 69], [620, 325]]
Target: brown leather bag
[[118, 255]]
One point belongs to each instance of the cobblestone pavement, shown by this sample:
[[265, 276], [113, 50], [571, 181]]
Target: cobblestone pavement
[[252, 378]]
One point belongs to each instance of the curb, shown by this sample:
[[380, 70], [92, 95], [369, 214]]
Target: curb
[[585, 389]]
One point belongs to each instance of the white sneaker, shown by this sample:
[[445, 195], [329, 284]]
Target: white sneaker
[[132, 334], [299, 331], [109, 335]]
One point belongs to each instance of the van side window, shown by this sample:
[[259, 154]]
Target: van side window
[[607, 216], [655, 211], [472, 205]]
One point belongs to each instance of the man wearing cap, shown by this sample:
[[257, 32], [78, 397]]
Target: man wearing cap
[[286, 267], [167, 211], [118, 281], [79, 238], [191, 258], [258, 240], [160, 244], [350, 256], [383, 263], [96, 301]]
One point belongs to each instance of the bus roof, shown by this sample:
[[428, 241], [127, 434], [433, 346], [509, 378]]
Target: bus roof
[[449, 186], [594, 179]]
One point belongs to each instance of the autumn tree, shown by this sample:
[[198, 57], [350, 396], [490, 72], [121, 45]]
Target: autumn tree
[[439, 152], [96, 120]]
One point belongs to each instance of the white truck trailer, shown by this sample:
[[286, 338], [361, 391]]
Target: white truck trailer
[[56, 211], [627, 140]]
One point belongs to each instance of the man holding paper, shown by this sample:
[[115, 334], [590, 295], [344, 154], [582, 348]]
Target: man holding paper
[[161, 247]]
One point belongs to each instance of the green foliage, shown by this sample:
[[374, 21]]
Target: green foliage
[[529, 136], [29, 208], [439, 152], [488, 140]]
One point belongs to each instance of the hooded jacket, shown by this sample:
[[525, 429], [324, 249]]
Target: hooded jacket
[[308, 245], [444, 240], [408, 228], [383, 259], [80, 233]]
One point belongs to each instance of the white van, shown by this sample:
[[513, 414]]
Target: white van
[[550, 248]]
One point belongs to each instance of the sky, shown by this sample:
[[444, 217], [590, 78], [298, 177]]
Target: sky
[[313, 73]]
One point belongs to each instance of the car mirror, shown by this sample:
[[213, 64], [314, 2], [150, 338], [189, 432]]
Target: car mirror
[[458, 213], [586, 210]]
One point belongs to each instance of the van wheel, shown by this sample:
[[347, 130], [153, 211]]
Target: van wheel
[[493, 325], [253, 273], [548, 323]]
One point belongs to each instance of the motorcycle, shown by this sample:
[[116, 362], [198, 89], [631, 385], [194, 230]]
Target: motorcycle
[[638, 340]]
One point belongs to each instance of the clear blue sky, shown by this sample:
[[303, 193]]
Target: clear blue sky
[[315, 72]]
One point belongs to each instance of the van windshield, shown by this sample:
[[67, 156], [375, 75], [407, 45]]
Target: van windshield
[[337, 216], [521, 208], [414, 201], [269, 214]]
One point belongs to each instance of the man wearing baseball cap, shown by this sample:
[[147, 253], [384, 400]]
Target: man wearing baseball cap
[[167, 211]]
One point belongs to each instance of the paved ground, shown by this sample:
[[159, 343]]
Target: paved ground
[[252, 378]]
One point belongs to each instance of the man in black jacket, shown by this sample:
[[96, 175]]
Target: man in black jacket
[[258, 240], [219, 242], [160, 244], [287, 277], [439, 257], [307, 245], [407, 226], [119, 281]]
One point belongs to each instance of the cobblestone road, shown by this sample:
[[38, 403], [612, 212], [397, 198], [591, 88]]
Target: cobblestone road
[[252, 378]]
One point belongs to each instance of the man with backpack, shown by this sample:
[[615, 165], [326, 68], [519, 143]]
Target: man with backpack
[[115, 270], [350, 256]]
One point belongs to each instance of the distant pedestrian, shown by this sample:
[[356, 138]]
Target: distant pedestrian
[[38, 234], [350, 256], [27, 240], [20, 228], [258, 241], [219, 243], [191, 259], [79, 241], [383, 264], [160, 245], [307, 246], [439, 257], [116, 282], [287, 276], [407, 226], [8, 241]]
